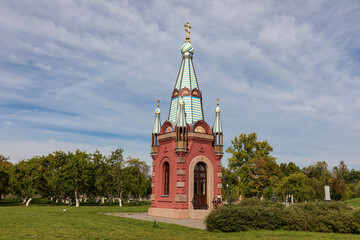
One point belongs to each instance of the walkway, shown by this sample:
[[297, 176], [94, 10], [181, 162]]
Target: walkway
[[199, 224]]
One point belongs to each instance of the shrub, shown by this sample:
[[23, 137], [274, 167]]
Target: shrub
[[315, 217]]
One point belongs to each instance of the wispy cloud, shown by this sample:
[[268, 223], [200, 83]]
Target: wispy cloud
[[86, 74]]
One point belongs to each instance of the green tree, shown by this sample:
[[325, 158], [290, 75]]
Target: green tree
[[76, 175], [289, 168], [261, 173], [341, 187], [116, 162], [5, 168], [102, 181], [245, 149], [341, 171], [340, 190], [318, 173], [230, 185], [26, 179], [298, 185], [136, 180]]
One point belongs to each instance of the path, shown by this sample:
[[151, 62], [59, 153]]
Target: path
[[199, 224]]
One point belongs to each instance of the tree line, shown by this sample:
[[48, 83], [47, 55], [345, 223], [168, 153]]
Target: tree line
[[78, 176], [253, 172]]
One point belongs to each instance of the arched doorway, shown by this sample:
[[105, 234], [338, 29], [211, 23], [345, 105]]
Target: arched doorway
[[200, 187]]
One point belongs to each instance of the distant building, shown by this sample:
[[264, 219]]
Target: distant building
[[186, 151]]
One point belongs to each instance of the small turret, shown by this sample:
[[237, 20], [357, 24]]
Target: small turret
[[217, 131], [156, 131], [181, 129]]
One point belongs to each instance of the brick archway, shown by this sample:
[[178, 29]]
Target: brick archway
[[209, 180]]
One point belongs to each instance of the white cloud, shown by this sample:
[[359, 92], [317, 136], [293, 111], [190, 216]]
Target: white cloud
[[285, 70]]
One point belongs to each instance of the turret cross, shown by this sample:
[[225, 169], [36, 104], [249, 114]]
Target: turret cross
[[187, 30]]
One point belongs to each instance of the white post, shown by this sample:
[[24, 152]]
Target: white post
[[327, 193]]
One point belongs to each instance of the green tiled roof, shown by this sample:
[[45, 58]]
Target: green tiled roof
[[186, 79]]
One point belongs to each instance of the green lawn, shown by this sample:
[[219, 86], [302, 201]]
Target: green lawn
[[354, 202], [47, 221]]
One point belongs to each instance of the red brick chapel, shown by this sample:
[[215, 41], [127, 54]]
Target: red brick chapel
[[186, 151]]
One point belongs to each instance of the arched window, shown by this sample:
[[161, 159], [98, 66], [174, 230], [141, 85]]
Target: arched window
[[166, 171]]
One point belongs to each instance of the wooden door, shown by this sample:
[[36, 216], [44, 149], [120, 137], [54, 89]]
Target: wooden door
[[200, 189]]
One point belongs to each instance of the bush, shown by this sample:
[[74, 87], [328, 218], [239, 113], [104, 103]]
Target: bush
[[315, 217]]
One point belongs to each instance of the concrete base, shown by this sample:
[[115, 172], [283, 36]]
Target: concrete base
[[178, 213]]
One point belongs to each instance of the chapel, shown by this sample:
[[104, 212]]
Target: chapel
[[186, 151]]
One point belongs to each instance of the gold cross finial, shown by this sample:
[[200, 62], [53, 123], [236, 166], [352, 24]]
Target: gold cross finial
[[187, 30], [217, 101], [158, 101]]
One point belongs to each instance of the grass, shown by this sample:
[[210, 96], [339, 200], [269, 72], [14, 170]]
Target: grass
[[355, 202], [43, 220]]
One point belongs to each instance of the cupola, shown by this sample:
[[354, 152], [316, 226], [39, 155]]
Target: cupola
[[217, 131]]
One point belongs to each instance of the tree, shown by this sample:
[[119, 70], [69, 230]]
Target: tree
[[102, 178], [341, 171], [289, 168], [261, 172], [116, 171], [76, 174], [136, 180], [25, 178], [340, 190], [341, 186], [245, 149], [296, 184], [318, 173], [230, 183], [5, 167]]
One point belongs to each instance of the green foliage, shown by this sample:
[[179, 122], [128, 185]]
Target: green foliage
[[261, 173], [296, 184], [250, 214], [315, 217], [323, 217], [5, 167], [26, 178], [289, 168], [135, 178], [230, 182], [247, 148], [252, 163], [61, 175], [318, 170]]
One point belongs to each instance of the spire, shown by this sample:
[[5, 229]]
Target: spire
[[181, 120], [157, 123], [187, 86], [217, 124]]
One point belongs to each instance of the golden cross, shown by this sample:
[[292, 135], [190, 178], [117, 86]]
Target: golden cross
[[187, 30], [217, 101], [158, 103]]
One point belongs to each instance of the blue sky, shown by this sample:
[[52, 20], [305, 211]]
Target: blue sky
[[86, 74]]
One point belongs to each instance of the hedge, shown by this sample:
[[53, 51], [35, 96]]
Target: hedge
[[252, 214]]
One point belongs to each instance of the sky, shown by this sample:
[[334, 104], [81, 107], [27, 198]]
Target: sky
[[86, 74]]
